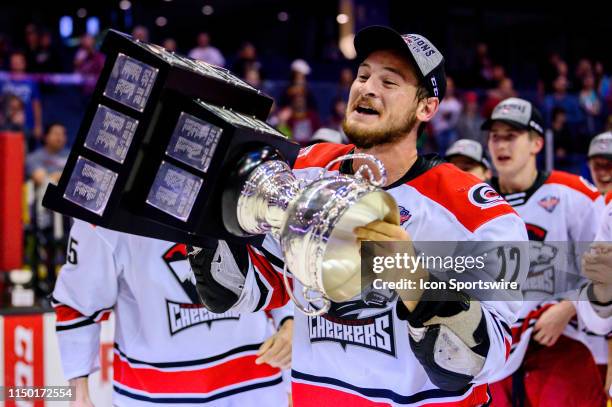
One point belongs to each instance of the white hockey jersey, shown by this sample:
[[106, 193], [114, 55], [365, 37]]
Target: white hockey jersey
[[562, 213], [358, 354], [588, 317], [169, 350]]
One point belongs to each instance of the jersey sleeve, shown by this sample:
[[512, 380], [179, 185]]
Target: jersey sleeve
[[605, 230], [280, 315], [507, 233], [84, 295], [264, 288]]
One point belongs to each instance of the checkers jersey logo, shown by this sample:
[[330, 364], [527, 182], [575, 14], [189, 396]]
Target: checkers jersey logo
[[484, 196]]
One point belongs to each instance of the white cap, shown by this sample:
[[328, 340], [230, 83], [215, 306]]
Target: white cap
[[601, 145], [301, 66], [470, 149], [326, 135]]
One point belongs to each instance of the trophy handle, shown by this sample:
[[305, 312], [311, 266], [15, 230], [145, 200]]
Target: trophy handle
[[359, 174], [311, 300]]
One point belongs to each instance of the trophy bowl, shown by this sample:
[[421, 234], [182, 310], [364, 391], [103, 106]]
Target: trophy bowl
[[312, 219], [317, 238]]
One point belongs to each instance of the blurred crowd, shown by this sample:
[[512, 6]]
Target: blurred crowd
[[575, 97]]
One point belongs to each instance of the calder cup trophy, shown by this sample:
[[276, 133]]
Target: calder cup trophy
[[177, 149]]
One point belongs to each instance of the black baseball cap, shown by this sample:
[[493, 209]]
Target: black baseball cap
[[420, 51], [518, 113]]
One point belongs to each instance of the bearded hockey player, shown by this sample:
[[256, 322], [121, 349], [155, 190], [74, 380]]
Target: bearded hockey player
[[169, 349], [382, 351], [561, 211]]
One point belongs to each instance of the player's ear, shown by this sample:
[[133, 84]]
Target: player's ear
[[537, 143], [427, 108]]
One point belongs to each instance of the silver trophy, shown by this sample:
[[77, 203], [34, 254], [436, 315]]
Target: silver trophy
[[314, 222]]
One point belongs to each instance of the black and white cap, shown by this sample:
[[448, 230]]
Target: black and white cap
[[470, 149], [518, 113], [420, 51], [601, 146]]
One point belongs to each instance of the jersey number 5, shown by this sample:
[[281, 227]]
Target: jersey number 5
[[72, 257]]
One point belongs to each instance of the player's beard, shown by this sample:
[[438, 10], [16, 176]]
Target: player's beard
[[387, 134]]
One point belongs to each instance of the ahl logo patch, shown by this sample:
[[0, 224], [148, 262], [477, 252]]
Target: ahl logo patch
[[405, 215], [549, 203], [484, 196]]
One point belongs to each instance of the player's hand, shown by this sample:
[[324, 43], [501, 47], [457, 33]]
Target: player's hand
[[552, 322], [380, 230], [81, 389], [276, 350], [597, 264]]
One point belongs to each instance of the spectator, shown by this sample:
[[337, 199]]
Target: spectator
[[169, 45], [304, 121], [560, 98], [206, 52], [141, 33], [46, 58], [550, 71], [504, 90], [604, 86], [4, 51], [563, 142], [31, 40], [345, 83], [583, 68], [253, 77], [88, 62], [22, 86], [46, 163], [246, 60], [482, 69], [298, 84], [337, 114], [13, 119], [470, 120], [590, 104], [444, 124]]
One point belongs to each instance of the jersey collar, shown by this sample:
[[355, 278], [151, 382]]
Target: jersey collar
[[422, 164]]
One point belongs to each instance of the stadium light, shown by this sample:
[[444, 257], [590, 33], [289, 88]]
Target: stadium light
[[93, 26], [65, 26], [125, 5]]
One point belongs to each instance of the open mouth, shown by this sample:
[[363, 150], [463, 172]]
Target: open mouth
[[366, 110], [503, 158]]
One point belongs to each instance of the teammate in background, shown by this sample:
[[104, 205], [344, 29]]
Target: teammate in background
[[560, 210], [379, 350], [600, 162], [168, 348], [595, 305], [469, 156]]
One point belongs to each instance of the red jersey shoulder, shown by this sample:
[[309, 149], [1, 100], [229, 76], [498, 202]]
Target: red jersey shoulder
[[319, 155], [608, 197], [575, 182], [472, 201]]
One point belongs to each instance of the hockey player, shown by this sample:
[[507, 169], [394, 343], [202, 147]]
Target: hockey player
[[468, 155], [382, 351], [169, 349], [560, 210]]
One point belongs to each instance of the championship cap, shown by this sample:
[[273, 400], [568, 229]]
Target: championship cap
[[518, 113], [468, 148], [420, 51], [601, 146]]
